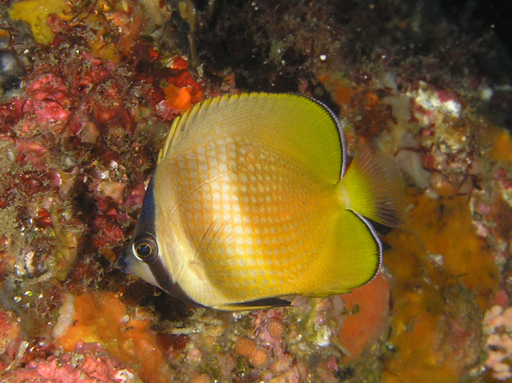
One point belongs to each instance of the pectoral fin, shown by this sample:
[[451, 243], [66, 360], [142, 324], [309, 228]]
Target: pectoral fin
[[374, 187]]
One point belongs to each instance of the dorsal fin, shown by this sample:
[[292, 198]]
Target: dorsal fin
[[296, 126]]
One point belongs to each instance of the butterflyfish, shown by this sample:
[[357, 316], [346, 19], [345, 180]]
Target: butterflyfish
[[250, 202]]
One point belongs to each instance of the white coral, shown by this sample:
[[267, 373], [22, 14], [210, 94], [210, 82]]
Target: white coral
[[498, 325]]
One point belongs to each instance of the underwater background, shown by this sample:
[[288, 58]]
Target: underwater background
[[88, 92]]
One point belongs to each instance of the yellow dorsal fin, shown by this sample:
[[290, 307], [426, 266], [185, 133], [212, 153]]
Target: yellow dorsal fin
[[298, 127], [374, 188]]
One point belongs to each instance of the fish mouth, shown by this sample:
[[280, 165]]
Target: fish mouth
[[121, 261]]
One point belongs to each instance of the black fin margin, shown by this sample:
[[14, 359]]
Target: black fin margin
[[261, 303]]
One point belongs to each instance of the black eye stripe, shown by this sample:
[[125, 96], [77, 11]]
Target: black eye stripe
[[145, 248]]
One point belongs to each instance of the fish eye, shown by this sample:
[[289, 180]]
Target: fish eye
[[145, 248]]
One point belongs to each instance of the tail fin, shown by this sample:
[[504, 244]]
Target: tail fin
[[374, 187]]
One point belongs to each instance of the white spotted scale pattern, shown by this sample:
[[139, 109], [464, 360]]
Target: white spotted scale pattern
[[252, 216]]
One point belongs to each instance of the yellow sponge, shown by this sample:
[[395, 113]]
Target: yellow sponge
[[36, 12]]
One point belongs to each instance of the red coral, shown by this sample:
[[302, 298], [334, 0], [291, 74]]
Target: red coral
[[377, 115], [31, 152], [46, 111], [446, 95], [48, 87], [10, 339], [43, 219], [136, 196], [109, 232], [87, 364], [47, 101], [10, 114]]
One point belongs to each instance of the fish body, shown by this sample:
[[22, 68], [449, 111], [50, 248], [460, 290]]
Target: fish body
[[249, 202]]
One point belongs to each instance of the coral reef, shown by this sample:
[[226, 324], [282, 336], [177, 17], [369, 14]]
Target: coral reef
[[88, 92], [102, 318], [439, 292], [497, 326], [11, 341], [368, 317], [37, 14], [88, 363]]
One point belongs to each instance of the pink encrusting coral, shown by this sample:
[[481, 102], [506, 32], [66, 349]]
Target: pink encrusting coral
[[11, 341], [87, 364]]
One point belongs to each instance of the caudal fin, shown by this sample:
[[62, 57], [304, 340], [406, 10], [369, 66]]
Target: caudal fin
[[373, 187]]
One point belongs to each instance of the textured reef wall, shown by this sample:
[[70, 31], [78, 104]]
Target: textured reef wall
[[88, 91]]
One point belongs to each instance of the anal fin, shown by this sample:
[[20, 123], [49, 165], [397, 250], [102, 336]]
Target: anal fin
[[352, 258], [257, 304]]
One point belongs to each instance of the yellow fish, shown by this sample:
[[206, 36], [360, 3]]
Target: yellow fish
[[250, 202]]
